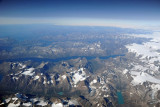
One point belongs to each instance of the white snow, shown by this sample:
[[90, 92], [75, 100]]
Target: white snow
[[48, 82], [147, 49], [7, 100], [16, 102], [44, 82], [79, 75], [19, 72], [141, 77], [2, 103], [14, 105], [102, 81], [64, 77], [77, 78], [144, 50], [34, 100], [27, 104], [57, 105], [22, 66], [148, 53], [15, 78], [155, 88], [14, 98], [93, 82], [29, 72], [52, 81], [73, 102], [106, 95], [42, 103], [36, 77], [125, 71]]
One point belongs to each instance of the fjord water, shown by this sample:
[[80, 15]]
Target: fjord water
[[60, 59]]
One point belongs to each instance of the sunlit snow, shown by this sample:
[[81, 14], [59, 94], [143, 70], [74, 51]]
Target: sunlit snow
[[29, 72], [36, 77], [28, 104], [64, 77], [57, 105], [141, 77], [149, 52], [42, 103], [79, 75]]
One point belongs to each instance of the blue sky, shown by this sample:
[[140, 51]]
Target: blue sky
[[122, 13]]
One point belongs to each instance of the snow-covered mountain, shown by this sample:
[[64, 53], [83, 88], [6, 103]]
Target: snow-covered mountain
[[133, 77]]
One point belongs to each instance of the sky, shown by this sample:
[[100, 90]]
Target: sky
[[119, 13]]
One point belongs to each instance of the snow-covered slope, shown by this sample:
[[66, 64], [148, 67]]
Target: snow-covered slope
[[149, 56], [25, 101], [149, 49]]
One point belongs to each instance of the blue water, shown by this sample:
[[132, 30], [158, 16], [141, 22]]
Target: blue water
[[120, 98], [60, 59]]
